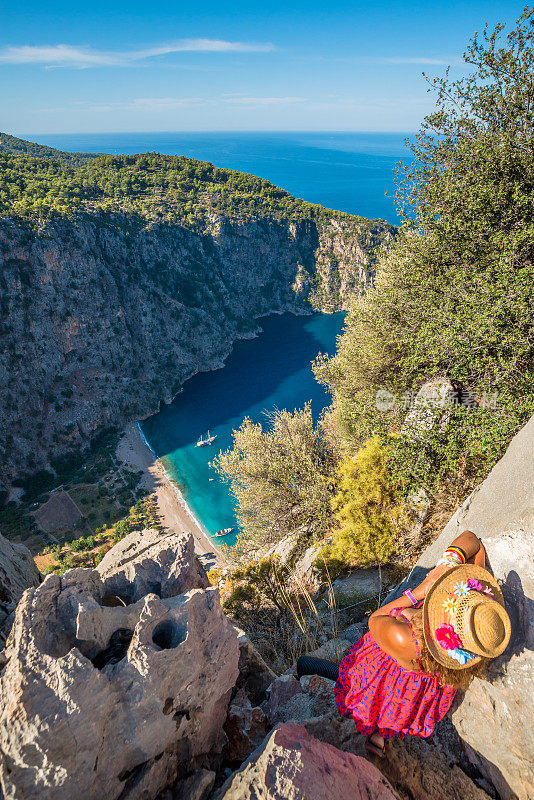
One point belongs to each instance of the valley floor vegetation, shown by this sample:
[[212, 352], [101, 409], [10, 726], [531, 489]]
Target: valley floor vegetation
[[72, 517], [453, 305]]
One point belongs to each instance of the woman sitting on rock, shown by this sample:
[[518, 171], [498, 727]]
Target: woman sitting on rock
[[402, 676]]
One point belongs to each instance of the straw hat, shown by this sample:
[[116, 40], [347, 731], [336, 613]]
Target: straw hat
[[465, 609]]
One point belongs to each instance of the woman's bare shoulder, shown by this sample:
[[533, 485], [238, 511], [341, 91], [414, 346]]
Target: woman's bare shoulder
[[395, 638]]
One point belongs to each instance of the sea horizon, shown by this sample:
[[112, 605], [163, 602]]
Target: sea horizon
[[341, 170]]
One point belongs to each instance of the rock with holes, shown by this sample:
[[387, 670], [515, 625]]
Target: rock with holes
[[17, 573], [150, 561], [107, 702], [292, 765]]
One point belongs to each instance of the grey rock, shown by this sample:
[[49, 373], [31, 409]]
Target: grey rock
[[305, 572], [151, 562], [359, 585], [494, 718], [255, 676], [112, 702], [333, 650], [245, 727], [285, 548], [419, 771], [17, 573], [195, 787], [355, 632], [431, 407], [298, 701], [292, 765]]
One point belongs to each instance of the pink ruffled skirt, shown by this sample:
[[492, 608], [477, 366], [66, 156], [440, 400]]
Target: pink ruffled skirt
[[381, 695]]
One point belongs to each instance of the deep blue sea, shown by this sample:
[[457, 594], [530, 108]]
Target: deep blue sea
[[350, 172]]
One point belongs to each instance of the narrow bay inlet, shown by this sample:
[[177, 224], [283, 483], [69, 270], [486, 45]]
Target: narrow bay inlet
[[260, 375]]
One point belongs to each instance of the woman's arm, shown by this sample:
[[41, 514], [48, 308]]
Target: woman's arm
[[475, 554], [393, 634]]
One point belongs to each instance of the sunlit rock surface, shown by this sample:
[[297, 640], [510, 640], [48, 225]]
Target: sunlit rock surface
[[107, 702]]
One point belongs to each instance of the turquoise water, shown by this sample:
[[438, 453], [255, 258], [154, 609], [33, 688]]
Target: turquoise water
[[271, 371], [346, 171]]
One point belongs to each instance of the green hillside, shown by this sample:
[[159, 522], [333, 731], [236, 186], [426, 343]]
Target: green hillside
[[172, 189], [11, 145]]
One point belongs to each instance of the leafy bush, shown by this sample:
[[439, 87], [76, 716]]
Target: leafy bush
[[281, 477], [454, 292], [368, 513]]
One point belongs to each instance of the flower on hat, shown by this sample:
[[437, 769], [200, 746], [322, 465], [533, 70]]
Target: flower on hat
[[450, 604], [461, 589], [446, 637], [473, 583], [488, 590], [460, 655]]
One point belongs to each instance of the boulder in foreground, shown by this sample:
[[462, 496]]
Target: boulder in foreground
[[101, 701], [292, 765]]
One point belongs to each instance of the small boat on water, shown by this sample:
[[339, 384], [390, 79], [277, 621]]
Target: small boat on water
[[223, 532], [208, 440]]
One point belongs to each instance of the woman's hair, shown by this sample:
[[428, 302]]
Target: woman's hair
[[459, 678]]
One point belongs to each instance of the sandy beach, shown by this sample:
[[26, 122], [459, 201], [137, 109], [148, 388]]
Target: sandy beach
[[173, 510]]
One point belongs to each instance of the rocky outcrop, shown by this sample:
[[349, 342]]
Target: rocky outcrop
[[17, 573], [104, 317], [292, 765], [494, 719], [148, 561], [115, 701], [431, 406], [417, 769]]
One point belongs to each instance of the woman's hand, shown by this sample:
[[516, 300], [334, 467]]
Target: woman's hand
[[420, 591], [407, 613]]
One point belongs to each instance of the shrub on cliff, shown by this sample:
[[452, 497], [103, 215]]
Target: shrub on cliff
[[281, 477], [454, 293], [367, 511]]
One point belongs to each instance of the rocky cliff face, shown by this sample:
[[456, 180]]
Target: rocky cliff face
[[17, 572], [494, 718], [103, 318]]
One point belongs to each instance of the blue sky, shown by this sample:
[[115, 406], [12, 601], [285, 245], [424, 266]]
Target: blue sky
[[175, 66]]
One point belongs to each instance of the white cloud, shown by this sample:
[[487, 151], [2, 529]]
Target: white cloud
[[263, 101], [144, 104], [417, 60], [84, 57], [155, 104]]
